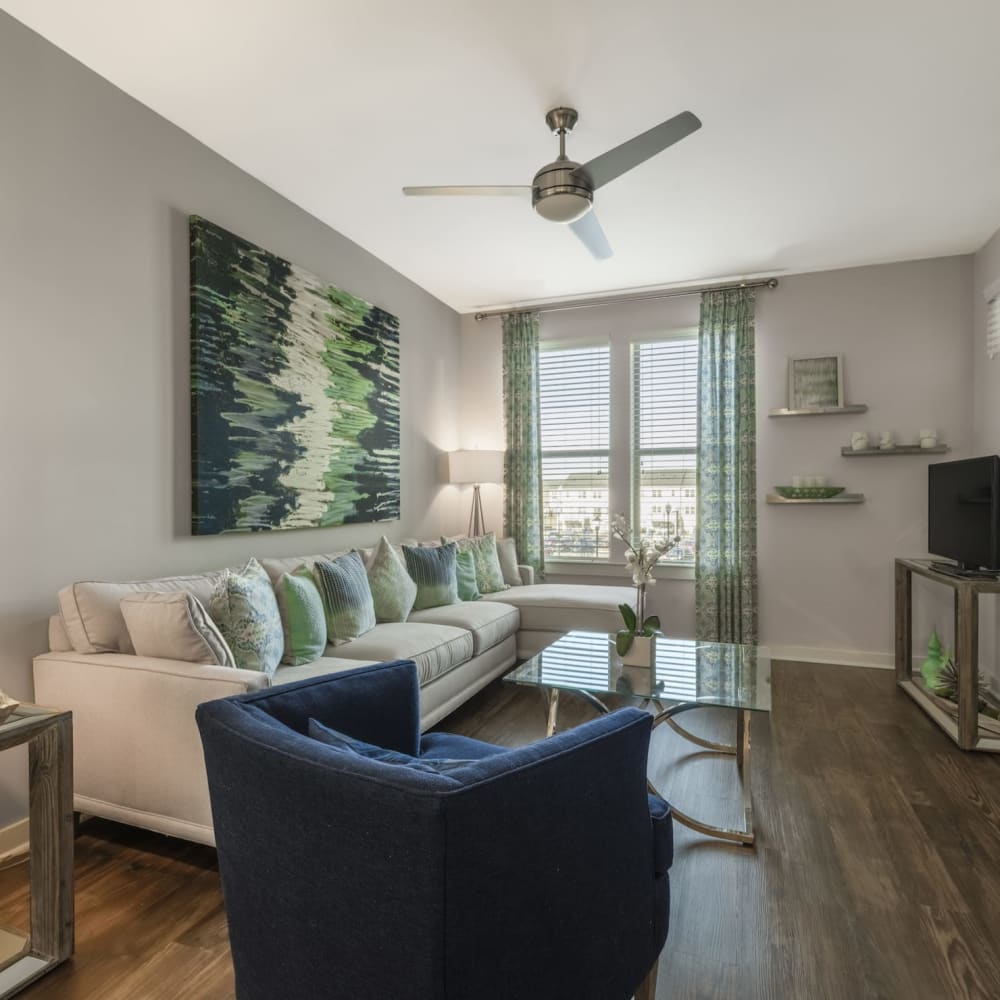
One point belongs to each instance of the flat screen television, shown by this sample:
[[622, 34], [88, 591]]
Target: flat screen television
[[963, 512]]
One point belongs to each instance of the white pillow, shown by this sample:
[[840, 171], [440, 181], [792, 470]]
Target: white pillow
[[174, 626], [507, 554], [91, 610]]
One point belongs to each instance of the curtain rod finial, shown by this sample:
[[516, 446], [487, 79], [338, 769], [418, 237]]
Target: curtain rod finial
[[480, 317]]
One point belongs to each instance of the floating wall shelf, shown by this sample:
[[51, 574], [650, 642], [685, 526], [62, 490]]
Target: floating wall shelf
[[819, 411], [900, 449], [840, 498]]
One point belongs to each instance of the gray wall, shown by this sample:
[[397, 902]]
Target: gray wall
[[826, 572], [95, 192]]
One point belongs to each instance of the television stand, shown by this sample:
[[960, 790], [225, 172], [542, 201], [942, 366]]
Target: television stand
[[968, 730], [953, 569]]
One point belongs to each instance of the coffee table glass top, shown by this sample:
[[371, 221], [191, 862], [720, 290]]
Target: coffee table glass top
[[708, 673]]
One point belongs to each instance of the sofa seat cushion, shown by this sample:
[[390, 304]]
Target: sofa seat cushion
[[317, 668], [435, 648], [561, 607], [489, 622]]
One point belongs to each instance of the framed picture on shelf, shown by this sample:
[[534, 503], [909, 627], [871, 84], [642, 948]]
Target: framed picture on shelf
[[816, 382]]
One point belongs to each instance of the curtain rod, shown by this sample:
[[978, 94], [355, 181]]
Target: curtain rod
[[608, 300]]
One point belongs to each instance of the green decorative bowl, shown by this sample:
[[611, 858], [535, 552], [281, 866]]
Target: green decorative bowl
[[808, 492]]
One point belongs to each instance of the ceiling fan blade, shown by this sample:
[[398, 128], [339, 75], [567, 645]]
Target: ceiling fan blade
[[591, 235], [513, 189], [617, 161]]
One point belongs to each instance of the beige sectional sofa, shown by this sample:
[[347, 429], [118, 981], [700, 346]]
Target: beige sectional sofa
[[137, 754]]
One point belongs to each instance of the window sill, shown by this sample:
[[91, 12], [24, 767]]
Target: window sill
[[608, 569]]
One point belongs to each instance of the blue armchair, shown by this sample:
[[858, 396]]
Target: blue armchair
[[535, 872]]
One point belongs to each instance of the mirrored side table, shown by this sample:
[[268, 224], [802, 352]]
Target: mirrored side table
[[49, 941]]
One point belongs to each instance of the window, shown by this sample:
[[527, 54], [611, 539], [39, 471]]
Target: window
[[575, 414], [664, 441]]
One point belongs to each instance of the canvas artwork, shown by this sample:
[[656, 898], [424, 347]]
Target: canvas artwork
[[815, 382], [294, 394]]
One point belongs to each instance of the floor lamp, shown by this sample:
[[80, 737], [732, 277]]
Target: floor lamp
[[475, 467]]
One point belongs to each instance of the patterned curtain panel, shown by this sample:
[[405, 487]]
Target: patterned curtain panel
[[523, 459], [726, 554]]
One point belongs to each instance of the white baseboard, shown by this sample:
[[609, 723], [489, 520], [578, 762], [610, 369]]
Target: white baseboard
[[835, 657], [14, 839]]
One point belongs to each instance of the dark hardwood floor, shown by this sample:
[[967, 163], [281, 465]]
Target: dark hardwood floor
[[876, 873]]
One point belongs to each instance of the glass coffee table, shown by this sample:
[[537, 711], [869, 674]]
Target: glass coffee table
[[687, 675]]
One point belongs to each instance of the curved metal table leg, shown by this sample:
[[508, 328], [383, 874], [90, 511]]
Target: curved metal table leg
[[551, 698], [742, 752]]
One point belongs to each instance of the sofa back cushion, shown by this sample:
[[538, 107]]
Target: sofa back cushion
[[289, 564], [175, 626], [91, 610]]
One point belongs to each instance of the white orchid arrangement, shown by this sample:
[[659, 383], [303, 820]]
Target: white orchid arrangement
[[640, 557]]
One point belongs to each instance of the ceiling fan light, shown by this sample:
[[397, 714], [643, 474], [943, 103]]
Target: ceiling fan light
[[563, 207]]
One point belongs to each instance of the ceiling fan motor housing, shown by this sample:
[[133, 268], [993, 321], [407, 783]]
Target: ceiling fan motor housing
[[559, 193]]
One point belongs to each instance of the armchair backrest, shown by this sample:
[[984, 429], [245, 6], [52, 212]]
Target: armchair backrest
[[530, 876]]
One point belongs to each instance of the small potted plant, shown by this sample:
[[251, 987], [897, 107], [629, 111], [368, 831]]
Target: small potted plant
[[636, 642]]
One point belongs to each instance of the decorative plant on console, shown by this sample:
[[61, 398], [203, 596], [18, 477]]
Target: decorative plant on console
[[635, 642]]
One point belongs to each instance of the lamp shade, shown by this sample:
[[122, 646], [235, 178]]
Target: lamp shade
[[475, 466]]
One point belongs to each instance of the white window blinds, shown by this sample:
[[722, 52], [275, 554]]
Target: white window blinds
[[575, 414], [664, 441]]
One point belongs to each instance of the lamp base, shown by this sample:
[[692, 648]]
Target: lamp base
[[477, 524]]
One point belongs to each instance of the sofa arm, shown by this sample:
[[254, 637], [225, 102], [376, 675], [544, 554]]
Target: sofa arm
[[136, 750], [527, 575]]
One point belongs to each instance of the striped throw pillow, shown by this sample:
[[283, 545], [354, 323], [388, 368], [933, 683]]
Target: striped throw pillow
[[347, 598], [433, 570]]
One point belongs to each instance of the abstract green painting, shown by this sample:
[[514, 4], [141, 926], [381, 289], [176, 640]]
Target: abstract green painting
[[294, 394]]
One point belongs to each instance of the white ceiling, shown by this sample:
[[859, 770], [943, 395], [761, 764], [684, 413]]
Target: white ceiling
[[834, 134]]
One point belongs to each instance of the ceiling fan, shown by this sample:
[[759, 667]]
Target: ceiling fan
[[563, 190]]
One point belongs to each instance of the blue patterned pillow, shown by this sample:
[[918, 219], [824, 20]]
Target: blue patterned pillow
[[246, 611], [341, 741], [347, 597], [433, 570]]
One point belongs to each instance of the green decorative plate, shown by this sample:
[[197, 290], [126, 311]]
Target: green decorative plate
[[808, 492]]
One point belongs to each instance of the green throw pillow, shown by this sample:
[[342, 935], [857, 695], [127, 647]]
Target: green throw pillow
[[246, 611], [347, 598], [432, 569], [393, 591], [489, 576], [302, 617], [465, 571]]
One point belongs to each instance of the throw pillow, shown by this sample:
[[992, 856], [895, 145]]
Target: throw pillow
[[433, 570], [465, 573], [347, 598], [507, 554], [348, 744], [302, 617], [489, 576], [246, 611], [393, 591], [174, 626]]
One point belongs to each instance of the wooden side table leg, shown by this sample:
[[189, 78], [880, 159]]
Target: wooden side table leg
[[50, 800], [967, 656], [904, 623]]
